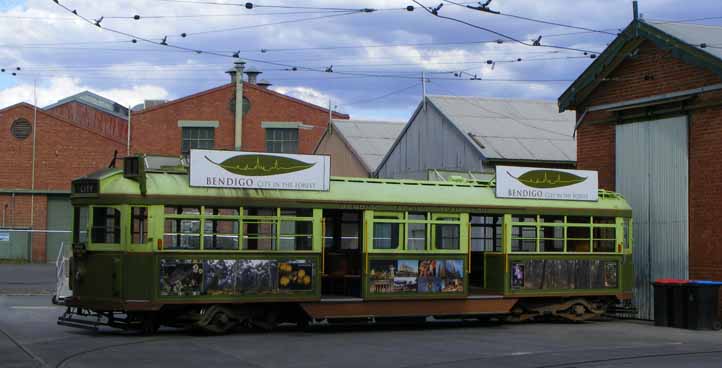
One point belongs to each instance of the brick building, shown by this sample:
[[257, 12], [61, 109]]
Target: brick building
[[649, 119], [40, 153], [241, 115]]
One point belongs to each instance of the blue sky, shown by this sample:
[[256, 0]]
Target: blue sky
[[377, 57]]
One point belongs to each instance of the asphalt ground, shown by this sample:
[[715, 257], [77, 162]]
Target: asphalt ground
[[24, 279], [30, 337]]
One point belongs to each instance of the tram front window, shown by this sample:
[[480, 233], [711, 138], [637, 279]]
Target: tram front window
[[80, 225], [106, 225]]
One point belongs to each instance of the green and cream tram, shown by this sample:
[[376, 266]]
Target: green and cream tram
[[151, 250]]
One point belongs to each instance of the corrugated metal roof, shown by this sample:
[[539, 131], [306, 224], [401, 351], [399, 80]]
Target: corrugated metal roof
[[96, 101], [694, 34], [369, 139], [509, 129]]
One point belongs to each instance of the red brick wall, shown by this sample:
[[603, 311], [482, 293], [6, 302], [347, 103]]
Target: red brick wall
[[93, 119], [595, 145], [64, 151], [156, 130]]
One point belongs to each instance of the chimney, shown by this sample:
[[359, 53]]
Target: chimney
[[237, 78], [252, 74], [233, 74], [264, 84]]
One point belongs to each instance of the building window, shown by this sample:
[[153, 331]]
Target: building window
[[282, 140], [196, 137]]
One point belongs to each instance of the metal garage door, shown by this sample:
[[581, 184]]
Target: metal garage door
[[60, 217], [14, 244], [652, 174]]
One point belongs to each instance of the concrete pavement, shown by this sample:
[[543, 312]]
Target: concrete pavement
[[35, 340], [27, 279]]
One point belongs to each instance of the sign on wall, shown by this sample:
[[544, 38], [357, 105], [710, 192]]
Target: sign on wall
[[258, 170], [541, 183]]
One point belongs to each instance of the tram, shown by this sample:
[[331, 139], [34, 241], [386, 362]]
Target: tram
[[149, 250]]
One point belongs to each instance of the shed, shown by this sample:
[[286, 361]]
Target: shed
[[474, 134], [357, 146], [649, 119]]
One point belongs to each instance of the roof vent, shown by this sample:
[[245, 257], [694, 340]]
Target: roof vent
[[264, 84], [21, 128], [252, 74]]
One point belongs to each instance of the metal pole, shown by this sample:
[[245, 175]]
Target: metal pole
[[130, 112], [635, 10], [423, 89], [32, 179]]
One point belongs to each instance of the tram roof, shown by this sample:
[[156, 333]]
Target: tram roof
[[168, 187]]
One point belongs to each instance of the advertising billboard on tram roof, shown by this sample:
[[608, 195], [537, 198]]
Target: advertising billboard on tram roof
[[259, 170], [542, 183]]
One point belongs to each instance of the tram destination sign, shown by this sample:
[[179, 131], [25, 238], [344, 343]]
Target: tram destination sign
[[259, 170], [543, 183]]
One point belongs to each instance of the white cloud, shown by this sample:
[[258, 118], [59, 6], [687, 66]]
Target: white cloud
[[307, 94], [59, 88]]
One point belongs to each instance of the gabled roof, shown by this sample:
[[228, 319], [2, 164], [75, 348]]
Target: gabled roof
[[692, 43], [95, 101], [510, 129], [231, 86], [58, 118], [368, 140]]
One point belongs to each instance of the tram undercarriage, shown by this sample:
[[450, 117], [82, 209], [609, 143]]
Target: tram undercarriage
[[226, 318]]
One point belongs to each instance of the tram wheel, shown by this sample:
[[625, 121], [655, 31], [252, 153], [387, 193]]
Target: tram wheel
[[150, 325]]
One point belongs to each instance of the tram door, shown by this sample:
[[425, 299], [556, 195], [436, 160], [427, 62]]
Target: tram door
[[342, 253]]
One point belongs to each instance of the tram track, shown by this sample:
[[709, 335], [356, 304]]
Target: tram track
[[634, 357], [78, 354], [24, 348]]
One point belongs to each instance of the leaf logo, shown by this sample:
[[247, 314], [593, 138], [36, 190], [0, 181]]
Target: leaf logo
[[545, 179], [261, 165]]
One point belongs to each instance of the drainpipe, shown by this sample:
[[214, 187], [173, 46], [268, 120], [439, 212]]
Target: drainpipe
[[238, 140]]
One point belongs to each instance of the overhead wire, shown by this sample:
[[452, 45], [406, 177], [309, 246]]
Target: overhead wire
[[372, 99], [435, 12], [485, 9]]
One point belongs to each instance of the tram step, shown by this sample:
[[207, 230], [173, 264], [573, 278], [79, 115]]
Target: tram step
[[69, 322]]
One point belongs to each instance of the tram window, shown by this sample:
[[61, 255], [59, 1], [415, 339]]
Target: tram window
[[605, 239], [259, 235], [604, 220], [627, 236], [386, 235], [578, 239], [553, 219], [80, 231], [175, 210], [578, 220], [486, 233], [220, 234], [106, 225], [258, 211], [447, 236], [523, 218], [417, 232], [349, 235], [297, 212], [523, 245], [296, 235], [523, 238], [216, 211], [182, 234], [552, 239], [139, 225]]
